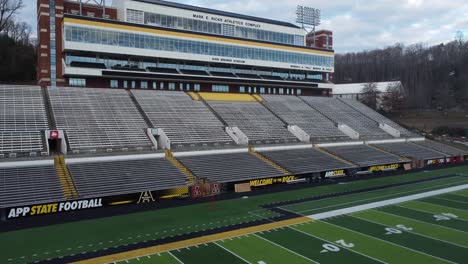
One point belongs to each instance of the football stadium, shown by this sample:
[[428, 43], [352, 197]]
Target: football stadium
[[166, 133]]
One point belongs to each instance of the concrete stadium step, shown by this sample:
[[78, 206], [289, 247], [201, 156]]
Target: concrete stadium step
[[66, 181], [191, 178]]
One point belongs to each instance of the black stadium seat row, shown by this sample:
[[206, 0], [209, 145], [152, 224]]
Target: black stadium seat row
[[111, 118]]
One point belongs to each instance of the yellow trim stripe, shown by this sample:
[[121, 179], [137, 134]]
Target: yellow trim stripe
[[189, 35], [122, 202], [191, 242]]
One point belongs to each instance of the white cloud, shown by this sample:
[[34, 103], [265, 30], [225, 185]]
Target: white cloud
[[357, 24]]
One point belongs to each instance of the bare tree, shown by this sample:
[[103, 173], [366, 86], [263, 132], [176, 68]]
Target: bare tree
[[370, 94], [18, 31], [8, 8], [394, 98]]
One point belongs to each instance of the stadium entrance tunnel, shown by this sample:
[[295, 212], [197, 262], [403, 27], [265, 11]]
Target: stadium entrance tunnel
[[55, 140], [55, 145]]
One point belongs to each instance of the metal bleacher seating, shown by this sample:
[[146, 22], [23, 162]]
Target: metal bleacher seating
[[307, 160], [341, 113], [449, 150], [185, 121], [411, 150], [374, 115], [230, 167], [98, 118], [29, 185], [22, 119], [295, 112], [363, 155], [252, 118], [123, 177]]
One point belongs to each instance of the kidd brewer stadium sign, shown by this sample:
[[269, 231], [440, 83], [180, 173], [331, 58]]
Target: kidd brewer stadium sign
[[51, 208]]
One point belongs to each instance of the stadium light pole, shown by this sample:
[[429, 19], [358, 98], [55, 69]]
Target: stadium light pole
[[308, 16]]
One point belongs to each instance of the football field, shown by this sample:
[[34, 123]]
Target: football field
[[429, 230], [124, 234]]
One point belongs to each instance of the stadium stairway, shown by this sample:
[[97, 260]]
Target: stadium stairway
[[68, 186], [431, 149], [387, 152], [194, 96], [318, 110], [357, 110], [48, 108], [260, 100], [269, 161], [191, 178], [335, 156], [198, 97], [140, 109]]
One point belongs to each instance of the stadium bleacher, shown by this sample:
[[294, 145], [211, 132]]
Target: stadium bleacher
[[103, 119], [307, 160], [363, 155], [122, 177], [341, 113], [411, 150], [185, 121], [252, 118], [29, 185], [23, 119], [295, 112], [374, 115], [96, 119], [229, 167], [442, 148]]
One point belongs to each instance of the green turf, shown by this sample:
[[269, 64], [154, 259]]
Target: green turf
[[314, 207], [163, 258], [256, 249], [207, 253], [455, 197], [75, 238], [414, 226], [314, 248], [447, 203], [426, 217], [379, 249], [435, 209], [430, 246], [463, 193]]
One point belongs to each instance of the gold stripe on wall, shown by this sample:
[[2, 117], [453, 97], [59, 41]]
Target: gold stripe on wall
[[189, 35]]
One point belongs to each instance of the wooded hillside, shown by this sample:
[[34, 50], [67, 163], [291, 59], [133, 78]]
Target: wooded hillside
[[433, 77]]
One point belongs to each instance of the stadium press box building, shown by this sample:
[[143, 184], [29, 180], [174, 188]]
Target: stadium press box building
[[152, 44]]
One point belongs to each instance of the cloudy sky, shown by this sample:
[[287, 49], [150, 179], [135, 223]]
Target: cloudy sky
[[357, 24]]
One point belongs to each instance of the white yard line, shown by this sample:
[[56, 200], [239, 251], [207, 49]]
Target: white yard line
[[418, 234], [340, 246], [386, 202], [386, 241], [172, 255], [449, 209], [450, 200], [287, 249], [439, 226], [216, 243], [367, 199]]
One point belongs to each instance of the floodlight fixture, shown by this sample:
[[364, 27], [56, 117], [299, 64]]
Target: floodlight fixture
[[308, 16]]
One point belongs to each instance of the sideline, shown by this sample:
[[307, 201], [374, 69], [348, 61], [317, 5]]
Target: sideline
[[191, 242], [386, 202]]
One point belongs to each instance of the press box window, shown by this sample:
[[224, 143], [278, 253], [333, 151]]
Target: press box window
[[74, 82], [114, 84]]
